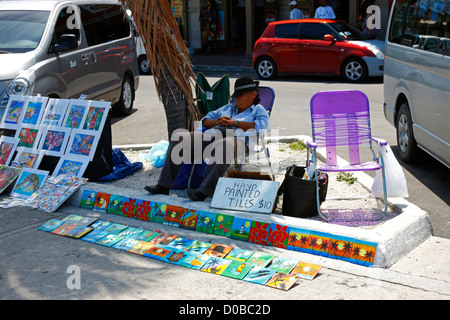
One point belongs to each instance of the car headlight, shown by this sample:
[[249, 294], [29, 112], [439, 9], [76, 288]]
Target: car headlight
[[377, 52], [18, 86]]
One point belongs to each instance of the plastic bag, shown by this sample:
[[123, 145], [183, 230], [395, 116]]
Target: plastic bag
[[157, 154], [395, 178]]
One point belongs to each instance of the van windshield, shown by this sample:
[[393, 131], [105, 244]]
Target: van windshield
[[21, 31]]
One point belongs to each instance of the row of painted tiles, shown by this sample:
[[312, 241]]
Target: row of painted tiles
[[247, 265], [271, 234]]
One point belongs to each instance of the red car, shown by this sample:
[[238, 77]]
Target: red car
[[317, 46]]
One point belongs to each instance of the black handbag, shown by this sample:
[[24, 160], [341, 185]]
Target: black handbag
[[299, 195]]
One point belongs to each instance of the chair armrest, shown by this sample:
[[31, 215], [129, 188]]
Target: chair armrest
[[379, 141], [311, 144]]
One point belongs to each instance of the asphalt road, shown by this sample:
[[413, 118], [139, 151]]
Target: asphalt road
[[428, 181]]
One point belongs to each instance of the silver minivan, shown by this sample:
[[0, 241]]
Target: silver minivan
[[67, 49], [417, 78]]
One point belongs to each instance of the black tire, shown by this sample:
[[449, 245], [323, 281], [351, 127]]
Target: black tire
[[125, 104], [407, 146], [144, 67], [266, 68], [354, 70]]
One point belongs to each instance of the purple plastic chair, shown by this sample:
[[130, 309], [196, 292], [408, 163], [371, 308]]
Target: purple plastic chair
[[342, 119]]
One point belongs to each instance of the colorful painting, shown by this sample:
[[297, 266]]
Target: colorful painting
[[115, 228], [75, 113], [28, 158], [223, 225], [94, 236], [73, 218], [283, 264], [96, 115], [198, 246], [259, 232], [340, 248], [86, 221], [126, 243], [363, 253], [206, 221], [215, 265], [34, 110], [299, 240], [101, 202], [101, 224], [143, 208], [141, 247], [173, 215], [54, 112], [63, 229], [7, 176], [194, 261], [175, 257], [82, 143], [278, 236], [14, 112], [180, 243], [163, 239], [306, 270], [110, 240], [51, 225], [7, 147], [157, 252], [88, 199], [282, 281], [240, 229], [28, 182], [261, 259], [71, 165], [241, 255], [54, 140], [237, 269], [79, 232], [218, 250], [319, 243], [157, 212], [259, 275], [128, 207], [28, 135], [189, 219], [115, 204]]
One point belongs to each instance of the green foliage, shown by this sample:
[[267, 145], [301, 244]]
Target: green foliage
[[347, 177]]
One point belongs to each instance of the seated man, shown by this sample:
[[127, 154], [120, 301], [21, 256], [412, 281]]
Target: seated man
[[213, 143]]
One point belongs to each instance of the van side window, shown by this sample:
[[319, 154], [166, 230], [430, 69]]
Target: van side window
[[313, 31], [104, 23], [422, 24], [287, 31], [66, 24]]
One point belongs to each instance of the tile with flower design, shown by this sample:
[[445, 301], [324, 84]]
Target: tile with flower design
[[278, 235], [259, 232]]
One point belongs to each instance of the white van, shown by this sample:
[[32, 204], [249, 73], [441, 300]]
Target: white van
[[417, 77], [65, 49]]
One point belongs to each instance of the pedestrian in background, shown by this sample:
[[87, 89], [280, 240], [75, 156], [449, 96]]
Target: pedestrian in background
[[295, 12], [324, 11]]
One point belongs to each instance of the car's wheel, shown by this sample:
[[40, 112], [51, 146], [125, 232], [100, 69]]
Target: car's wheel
[[407, 146], [144, 67], [266, 68], [125, 104], [354, 70]]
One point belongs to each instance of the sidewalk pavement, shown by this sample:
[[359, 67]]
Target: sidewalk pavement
[[233, 62], [39, 265]]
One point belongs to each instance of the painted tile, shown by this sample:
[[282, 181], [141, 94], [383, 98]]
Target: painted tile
[[240, 229], [173, 215], [157, 212], [215, 265], [299, 240], [282, 281], [363, 253], [340, 248], [223, 225], [189, 219], [206, 222], [115, 204], [259, 275], [259, 232], [319, 243], [278, 235], [306, 270]]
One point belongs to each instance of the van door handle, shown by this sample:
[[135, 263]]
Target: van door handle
[[88, 58]]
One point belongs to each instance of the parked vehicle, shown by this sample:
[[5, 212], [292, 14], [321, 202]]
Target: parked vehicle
[[65, 49], [317, 46], [144, 67], [417, 78]]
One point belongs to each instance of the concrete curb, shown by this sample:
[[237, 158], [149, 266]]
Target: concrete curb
[[395, 238]]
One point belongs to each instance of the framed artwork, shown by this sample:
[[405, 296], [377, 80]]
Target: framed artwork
[[83, 143], [28, 158], [54, 140], [71, 165], [55, 111], [76, 113], [7, 147], [14, 112], [28, 135], [28, 182], [34, 110], [7, 176], [96, 116]]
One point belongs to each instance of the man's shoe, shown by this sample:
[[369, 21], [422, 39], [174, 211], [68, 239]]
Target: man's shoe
[[195, 195], [157, 189]]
